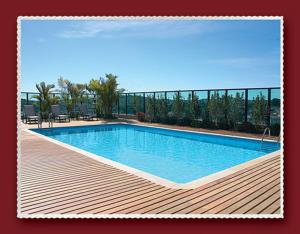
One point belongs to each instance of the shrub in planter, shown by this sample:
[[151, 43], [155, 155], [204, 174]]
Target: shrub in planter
[[223, 124], [159, 119], [171, 119], [185, 121], [275, 129], [232, 125], [260, 128], [195, 123], [208, 124], [246, 127], [141, 116]]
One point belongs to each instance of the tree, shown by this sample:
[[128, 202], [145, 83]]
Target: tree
[[162, 107], [45, 98], [216, 107], [203, 112], [259, 110], [195, 107], [136, 104], [107, 93], [236, 107], [149, 108], [71, 93], [177, 107]]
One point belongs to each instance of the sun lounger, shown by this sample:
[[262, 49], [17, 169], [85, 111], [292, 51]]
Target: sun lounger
[[30, 115], [85, 114], [56, 114]]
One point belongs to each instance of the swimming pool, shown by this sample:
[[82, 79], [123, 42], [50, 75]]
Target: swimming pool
[[177, 156]]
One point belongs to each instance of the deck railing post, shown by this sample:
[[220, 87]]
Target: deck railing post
[[40, 103], [134, 105], [246, 106], [154, 109], [118, 104], [226, 105], [126, 104], [94, 103], [144, 97], [269, 108], [208, 99], [166, 102]]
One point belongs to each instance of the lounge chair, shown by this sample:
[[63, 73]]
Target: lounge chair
[[85, 114], [56, 114], [30, 115]]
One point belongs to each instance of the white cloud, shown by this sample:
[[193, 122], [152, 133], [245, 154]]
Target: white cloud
[[136, 28]]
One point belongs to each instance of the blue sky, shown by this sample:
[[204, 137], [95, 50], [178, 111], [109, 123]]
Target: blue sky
[[152, 54]]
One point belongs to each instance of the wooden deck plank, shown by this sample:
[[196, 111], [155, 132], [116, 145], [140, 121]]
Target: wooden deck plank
[[212, 197], [107, 184], [35, 186], [74, 185], [107, 204], [82, 199], [278, 211], [255, 185], [206, 197], [58, 180], [142, 202], [267, 203], [88, 190], [159, 207], [62, 170], [257, 201], [263, 188], [233, 207], [65, 179]]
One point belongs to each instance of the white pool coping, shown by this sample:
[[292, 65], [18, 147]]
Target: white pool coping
[[156, 179]]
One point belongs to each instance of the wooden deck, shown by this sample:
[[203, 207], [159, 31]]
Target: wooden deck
[[56, 180]]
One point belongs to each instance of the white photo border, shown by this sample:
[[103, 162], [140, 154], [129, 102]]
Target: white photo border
[[172, 216]]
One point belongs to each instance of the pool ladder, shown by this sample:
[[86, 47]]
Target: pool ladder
[[40, 122], [264, 135]]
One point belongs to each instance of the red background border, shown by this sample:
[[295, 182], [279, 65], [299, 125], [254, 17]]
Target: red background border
[[13, 8]]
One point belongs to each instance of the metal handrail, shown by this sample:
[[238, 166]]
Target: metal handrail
[[40, 121], [264, 134], [50, 120]]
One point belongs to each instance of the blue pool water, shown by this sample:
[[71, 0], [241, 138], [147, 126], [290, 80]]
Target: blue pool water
[[178, 156]]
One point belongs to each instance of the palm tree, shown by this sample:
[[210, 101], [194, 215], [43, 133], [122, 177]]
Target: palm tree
[[107, 93], [71, 93], [44, 98], [95, 87]]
